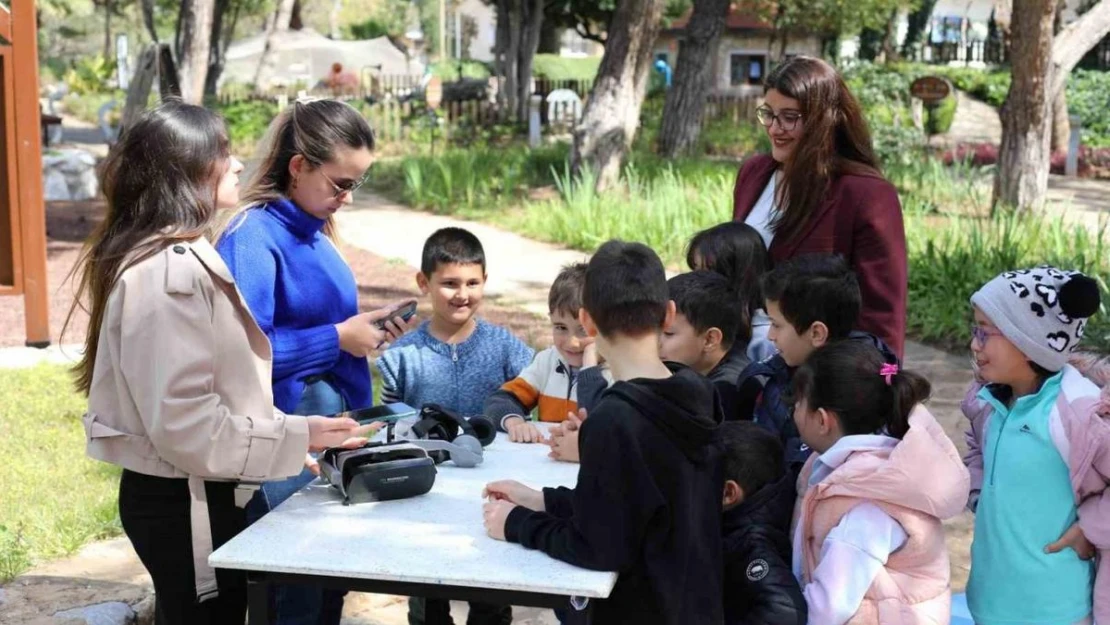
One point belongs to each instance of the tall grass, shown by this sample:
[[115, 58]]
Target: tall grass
[[950, 258]]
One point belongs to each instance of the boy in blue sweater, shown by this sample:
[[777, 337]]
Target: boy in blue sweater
[[455, 360]]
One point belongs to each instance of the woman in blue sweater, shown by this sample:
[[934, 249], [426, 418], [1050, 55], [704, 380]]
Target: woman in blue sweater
[[281, 250]]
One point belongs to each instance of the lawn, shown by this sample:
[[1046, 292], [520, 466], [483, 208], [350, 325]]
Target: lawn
[[53, 498]]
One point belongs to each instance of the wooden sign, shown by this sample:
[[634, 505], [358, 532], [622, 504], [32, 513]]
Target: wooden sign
[[433, 93], [930, 89]]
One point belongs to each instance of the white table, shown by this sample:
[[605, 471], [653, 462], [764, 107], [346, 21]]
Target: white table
[[433, 545]]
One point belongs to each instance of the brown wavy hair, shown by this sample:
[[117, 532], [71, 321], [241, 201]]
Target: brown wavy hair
[[835, 140], [160, 182]]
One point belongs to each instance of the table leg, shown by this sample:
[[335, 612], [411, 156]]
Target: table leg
[[258, 600]]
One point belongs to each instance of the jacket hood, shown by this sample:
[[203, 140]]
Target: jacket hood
[[770, 506], [685, 406], [887, 352], [925, 458]]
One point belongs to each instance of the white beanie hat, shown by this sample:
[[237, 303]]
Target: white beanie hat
[[1042, 311]]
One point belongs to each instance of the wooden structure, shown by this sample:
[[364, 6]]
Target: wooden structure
[[22, 213]]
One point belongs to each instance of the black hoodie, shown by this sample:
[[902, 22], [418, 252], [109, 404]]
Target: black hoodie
[[647, 503], [760, 587]]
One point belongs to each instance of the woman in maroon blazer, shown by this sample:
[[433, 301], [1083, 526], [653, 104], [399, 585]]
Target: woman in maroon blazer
[[820, 190]]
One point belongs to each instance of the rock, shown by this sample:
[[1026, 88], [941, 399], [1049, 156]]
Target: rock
[[112, 613], [1, 596], [84, 186], [56, 187], [144, 611], [76, 161]]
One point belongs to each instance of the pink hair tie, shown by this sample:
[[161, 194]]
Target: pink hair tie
[[888, 371]]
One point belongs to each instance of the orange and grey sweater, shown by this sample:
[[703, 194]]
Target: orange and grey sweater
[[547, 385]]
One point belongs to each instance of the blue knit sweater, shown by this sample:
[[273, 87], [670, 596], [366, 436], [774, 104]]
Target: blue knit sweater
[[419, 368], [297, 287]]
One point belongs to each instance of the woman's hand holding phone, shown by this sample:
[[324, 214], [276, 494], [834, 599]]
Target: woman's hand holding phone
[[371, 331]]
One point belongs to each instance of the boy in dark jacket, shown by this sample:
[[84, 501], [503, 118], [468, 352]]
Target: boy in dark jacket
[[707, 323], [648, 499], [811, 300], [760, 587]]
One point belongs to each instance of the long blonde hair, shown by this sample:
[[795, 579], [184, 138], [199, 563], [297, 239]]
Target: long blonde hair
[[158, 180], [312, 129]]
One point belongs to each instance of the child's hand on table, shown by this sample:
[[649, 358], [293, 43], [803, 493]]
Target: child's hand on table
[[521, 431], [494, 515], [1077, 540], [514, 492], [564, 437]]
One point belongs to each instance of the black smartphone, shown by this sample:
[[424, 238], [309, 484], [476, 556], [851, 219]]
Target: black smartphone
[[404, 311], [387, 413]]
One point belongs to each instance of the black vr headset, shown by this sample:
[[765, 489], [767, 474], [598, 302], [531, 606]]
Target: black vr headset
[[404, 466]]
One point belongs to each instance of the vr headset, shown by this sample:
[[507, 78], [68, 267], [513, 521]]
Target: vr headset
[[445, 435], [378, 471]]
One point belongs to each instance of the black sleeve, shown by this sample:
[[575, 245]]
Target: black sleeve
[[765, 584], [614, 501], [591, 384], [559, 502], [748, 390], [501, 404]]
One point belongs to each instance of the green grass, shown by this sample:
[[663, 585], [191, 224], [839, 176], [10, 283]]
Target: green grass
[[53, 498]]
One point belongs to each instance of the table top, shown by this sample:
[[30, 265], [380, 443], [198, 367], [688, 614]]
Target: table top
[[437, 538]]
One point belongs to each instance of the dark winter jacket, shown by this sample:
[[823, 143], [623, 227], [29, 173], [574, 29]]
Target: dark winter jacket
[[647, 503], [726, 377], [763, 390], [760, 587]]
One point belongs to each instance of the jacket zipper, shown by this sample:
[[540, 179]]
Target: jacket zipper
[[571, 381], [455, 368], [998, 445]]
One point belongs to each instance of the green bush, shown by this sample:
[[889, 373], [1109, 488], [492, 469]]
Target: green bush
[[938, 118], [555, 67], [86, 107], [449, 70], [247, 122], [91, 74], [1089, 97]]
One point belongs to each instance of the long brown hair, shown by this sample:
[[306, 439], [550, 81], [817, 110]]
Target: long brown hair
[[160, 183], [312, 129], [835, 140]]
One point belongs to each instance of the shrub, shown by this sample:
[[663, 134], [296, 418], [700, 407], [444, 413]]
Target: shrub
[[555, 67], [1087, 98], [86, 107], [247, 122], [91, 74], [938, 119]]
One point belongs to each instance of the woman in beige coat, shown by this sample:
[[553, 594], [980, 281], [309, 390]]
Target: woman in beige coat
[[176, 370]]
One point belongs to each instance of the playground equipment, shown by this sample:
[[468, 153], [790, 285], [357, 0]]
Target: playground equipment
[[22, 214]]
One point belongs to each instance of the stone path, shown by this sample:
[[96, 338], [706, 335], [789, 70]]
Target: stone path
[[975, 122]]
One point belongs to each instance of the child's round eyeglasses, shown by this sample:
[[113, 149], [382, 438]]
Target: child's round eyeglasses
[[979, 334]]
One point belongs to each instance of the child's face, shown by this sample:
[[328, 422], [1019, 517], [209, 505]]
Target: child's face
[[681, 342], [997, 360], [795, 348], [456, 291], [569, 337]]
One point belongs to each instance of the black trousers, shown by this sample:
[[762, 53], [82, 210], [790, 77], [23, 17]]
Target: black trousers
[[424, 611], [155, 516]]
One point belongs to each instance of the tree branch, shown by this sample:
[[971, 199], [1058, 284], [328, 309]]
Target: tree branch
[[1077, 39]]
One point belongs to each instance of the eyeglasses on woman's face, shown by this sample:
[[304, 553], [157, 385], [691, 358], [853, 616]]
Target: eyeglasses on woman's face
[[787, 119], [347, 187]]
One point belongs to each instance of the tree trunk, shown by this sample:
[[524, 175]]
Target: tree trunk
[[138, 92], [148, 19], [1061, 125], [512, 59], [217, 47], [693, 78], [296, 22], [532, 22], [267, 62], [613, 111], [108, 30], [196, 32], [916, 25], [1021, 180], [890, 46], [1041, 64]]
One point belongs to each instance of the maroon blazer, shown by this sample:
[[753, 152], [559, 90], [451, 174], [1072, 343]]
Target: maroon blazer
[[860, 219]]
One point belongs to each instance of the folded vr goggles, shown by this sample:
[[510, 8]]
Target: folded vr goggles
[[404, 465]]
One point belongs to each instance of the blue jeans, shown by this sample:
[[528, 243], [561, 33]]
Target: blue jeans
[[301, 604]]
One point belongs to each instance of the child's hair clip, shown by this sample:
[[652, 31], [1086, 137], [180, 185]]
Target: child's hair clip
[[888, 371]]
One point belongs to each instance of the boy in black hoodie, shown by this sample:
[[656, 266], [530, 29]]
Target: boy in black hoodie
[[648, 499], [760, 587]]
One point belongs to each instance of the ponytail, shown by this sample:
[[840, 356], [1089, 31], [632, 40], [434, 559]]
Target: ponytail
[[868, 393]]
